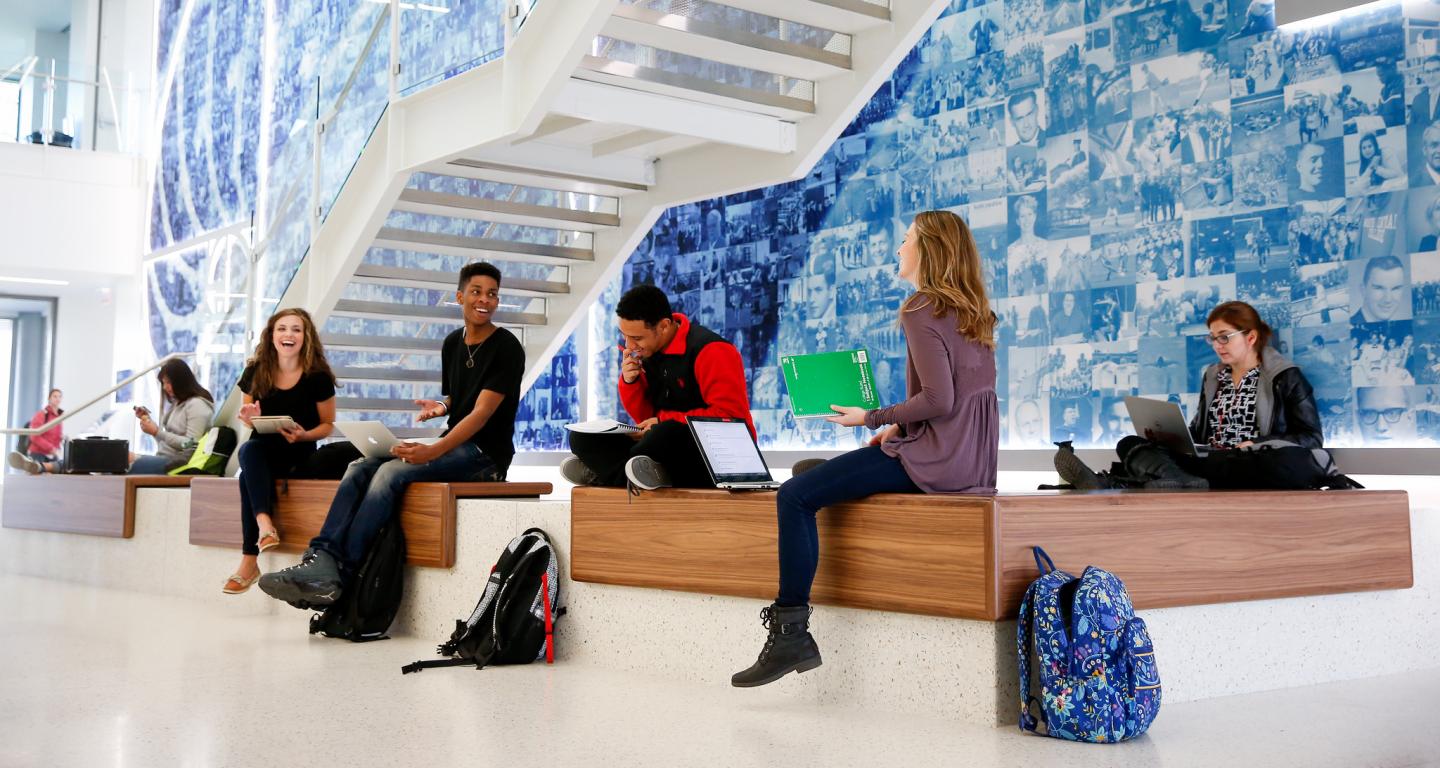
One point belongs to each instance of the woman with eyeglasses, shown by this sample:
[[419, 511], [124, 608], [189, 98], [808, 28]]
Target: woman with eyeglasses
[[1251, 395]]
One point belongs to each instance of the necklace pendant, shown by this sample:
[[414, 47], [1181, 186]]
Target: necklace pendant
[[470, 363]]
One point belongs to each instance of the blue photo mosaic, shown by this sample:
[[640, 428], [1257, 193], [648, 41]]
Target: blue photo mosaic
[[1125, 166]]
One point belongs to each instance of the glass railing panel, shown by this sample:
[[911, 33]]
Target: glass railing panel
[[38, 107], [442, 38], [749, 21], [702, 69], [198, 300], [357, 96]]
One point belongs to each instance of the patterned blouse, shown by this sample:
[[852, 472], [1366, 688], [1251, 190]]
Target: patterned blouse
[[1232, 412]]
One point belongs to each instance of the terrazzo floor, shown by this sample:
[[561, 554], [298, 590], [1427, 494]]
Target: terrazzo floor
[[91, 677]]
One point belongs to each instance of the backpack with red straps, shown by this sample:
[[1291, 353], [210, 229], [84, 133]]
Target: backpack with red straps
[[514, 622]]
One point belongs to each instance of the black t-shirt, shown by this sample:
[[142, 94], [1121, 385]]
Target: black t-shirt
[[299, 402], [499, 367]]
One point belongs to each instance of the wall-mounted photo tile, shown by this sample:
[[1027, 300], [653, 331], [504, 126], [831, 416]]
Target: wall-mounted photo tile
[[1372, 162], [1262, 241], [1380, 354], [1379, 289], [1148, 33]]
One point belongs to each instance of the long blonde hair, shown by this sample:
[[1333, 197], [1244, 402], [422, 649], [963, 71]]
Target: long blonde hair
[[949, 279], [267, 361]]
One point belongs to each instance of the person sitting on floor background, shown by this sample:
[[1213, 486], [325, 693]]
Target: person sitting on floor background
[[43, 452], [288, 376], [944, 438], [1252, 396], [181, 427], [481, 367], [671, 369]]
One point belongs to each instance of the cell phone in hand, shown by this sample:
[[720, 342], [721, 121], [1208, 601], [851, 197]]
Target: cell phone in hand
[[141, 410]]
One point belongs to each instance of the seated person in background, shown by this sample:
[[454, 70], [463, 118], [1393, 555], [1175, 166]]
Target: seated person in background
[[671, 369], [1252, 395], [43, 452], [287, 376], [481, 367], [944, 438], [191, 409]]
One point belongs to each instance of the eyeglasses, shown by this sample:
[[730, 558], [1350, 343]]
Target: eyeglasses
[[1392, 415], [1221, 339]]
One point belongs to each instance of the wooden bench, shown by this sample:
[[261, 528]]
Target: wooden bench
[[969, 556], [427, 513], [98, 505]]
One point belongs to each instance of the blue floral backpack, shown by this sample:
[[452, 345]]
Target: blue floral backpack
[[1100, 686]]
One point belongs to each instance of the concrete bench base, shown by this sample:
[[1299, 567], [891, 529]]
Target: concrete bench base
[[98, 505]]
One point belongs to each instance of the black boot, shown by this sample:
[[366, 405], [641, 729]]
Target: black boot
[[1159, 470], [789, 648], [1073, 471]]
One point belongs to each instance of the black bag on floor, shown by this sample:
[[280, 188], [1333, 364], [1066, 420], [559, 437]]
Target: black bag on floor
[[369, 604], [514, 622]]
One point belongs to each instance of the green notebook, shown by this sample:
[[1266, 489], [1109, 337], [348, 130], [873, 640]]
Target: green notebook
[[815, 382]]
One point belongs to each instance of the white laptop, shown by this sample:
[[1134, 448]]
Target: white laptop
[[1161, 422], [372, 438], [731, 454]]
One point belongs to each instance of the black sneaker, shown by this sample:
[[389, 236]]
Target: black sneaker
[[314, 582]]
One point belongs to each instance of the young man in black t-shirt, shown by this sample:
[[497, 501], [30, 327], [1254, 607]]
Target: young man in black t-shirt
[[482, 365]]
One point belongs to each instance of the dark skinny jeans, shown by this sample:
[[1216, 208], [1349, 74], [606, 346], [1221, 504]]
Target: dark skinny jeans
[[847, 477], [262, 462]]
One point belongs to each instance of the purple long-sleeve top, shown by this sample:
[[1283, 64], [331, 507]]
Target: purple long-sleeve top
[[950, 420]]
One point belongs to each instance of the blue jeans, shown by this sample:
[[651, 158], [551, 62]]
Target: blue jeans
[[261, 463], [371, 492], [847, 477], [152, 465]]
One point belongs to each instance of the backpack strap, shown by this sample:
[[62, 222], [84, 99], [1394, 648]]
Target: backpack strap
[[1043, 561], [432, 663], [1022, 642], [549, 620]]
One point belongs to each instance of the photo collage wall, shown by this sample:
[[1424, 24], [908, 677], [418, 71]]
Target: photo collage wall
[[1125, 165]]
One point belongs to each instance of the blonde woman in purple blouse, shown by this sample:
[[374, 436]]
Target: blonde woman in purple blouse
[[943, 438]]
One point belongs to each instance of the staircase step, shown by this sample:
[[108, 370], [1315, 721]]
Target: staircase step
[[624, 74], [435, 280], [544, 178], [402, 345], [848, 16], [719, 42], [503, 211], [479, 247], [387, 375], [446, 314], [378, 404]]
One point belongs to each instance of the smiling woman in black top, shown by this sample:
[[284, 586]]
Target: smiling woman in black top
[[288, 376]]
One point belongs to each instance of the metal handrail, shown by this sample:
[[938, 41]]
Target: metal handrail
[[32, 431], [359, 63]]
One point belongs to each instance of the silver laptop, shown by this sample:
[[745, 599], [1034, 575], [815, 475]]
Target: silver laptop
[[731, 454], [372, 438], [1161, 422]]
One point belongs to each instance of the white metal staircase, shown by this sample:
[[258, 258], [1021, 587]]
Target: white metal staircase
[[554, 161]]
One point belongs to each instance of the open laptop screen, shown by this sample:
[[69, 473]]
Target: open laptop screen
[[729, 450]]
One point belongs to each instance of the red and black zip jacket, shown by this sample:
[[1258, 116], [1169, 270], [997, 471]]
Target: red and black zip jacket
[[697, 374]]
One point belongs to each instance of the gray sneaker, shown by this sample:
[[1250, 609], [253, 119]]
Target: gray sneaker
[[575, 471], [313, 583], [24, 463], [646, 473], [805, 465]]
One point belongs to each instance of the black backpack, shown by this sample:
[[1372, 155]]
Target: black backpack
[[514, 622], [369, 604]]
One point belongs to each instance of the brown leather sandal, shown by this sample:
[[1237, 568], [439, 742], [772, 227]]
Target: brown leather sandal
[[237, 585], [268, 541]]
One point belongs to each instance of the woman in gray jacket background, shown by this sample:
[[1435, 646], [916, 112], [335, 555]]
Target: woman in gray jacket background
[[191, 408]]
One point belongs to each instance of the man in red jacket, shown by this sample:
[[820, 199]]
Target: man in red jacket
[[43, 453], [672, 369]]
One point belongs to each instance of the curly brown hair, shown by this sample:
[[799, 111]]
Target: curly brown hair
[[266, 361]]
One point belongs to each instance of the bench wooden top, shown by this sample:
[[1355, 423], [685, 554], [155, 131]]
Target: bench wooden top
[[98, 505], [970, 557], [427, 513]]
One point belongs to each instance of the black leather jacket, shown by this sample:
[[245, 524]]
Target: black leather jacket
[[1293, 415]]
